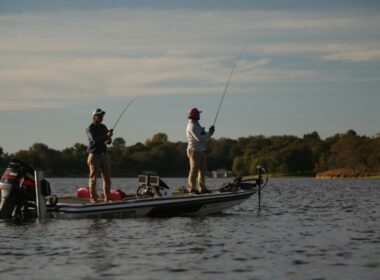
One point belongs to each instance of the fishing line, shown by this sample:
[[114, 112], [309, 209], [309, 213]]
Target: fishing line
[[122, 113], [228, 82]]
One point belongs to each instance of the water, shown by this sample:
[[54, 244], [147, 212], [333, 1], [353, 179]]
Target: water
[[308, 229]]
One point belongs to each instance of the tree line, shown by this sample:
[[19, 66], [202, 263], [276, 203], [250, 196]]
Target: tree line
[[347, 154]]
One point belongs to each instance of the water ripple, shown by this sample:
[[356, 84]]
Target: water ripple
[[307, 229]]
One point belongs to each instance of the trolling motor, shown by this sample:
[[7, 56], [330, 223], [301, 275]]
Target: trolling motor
[[248, 183], [257, 183], [18, 190], [152, 186]]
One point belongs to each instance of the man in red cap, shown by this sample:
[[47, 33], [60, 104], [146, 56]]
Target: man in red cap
[[197, 138]]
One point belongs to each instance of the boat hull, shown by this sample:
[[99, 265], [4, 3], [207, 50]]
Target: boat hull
[[186, 205]]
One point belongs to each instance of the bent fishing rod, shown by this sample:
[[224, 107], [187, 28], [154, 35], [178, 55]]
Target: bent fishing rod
[[228, 83], [122, 113]]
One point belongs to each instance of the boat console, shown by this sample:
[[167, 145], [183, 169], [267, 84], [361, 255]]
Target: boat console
[[152, 186]]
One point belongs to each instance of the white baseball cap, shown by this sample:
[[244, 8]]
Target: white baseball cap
[[98, 112]]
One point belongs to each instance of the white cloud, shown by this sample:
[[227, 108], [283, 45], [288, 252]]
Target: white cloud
[[354, 54], [65, 57]]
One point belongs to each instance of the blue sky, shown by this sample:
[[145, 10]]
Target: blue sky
[[309, 66]]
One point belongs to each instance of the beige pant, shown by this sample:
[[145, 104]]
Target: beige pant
[[99, 164], [197, 161]]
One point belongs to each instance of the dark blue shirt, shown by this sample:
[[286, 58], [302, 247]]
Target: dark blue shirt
[[96, 135]]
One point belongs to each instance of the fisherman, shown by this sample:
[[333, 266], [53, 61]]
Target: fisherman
[[197, 138], [98, 137]]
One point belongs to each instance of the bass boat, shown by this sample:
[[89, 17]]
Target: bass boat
[[26, 194]]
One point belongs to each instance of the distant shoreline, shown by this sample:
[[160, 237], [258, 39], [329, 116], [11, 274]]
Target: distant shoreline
[[343, 173]]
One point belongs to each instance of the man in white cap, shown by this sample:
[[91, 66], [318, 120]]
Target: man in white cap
[[197, 138], [98, 138]]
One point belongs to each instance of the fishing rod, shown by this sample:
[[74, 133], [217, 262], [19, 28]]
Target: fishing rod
[[228, 83], [122, 113]]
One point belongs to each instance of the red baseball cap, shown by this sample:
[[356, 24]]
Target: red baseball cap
[[193, 111]]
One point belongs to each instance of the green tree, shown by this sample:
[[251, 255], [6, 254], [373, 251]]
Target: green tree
[[117, 161], [221, 153], [4, 158], [41, 156], [157, 139], [75, 160], [281, 155]]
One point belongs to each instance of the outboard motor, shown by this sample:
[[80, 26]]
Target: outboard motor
[[18, 190]]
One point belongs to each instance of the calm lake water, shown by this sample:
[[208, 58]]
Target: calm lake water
[[307, 229]]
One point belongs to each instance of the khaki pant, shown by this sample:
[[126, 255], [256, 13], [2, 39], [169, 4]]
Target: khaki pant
[[99, 164], [197, 161]]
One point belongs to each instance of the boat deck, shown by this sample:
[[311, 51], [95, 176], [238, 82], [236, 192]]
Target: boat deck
[[84, 201]]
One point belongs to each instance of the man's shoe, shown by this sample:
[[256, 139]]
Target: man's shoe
[[205, 190], [194, 192], [94, 200], [108, 198]]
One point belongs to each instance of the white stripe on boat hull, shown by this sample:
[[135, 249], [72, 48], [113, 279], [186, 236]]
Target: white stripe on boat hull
[[197, 205]]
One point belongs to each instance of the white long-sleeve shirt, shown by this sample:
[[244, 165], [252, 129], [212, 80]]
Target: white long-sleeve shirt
[[196, 136]]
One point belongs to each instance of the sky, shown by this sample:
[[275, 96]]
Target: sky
[[307, 66]]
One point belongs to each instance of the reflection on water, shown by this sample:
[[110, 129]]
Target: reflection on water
[[307, 229]]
